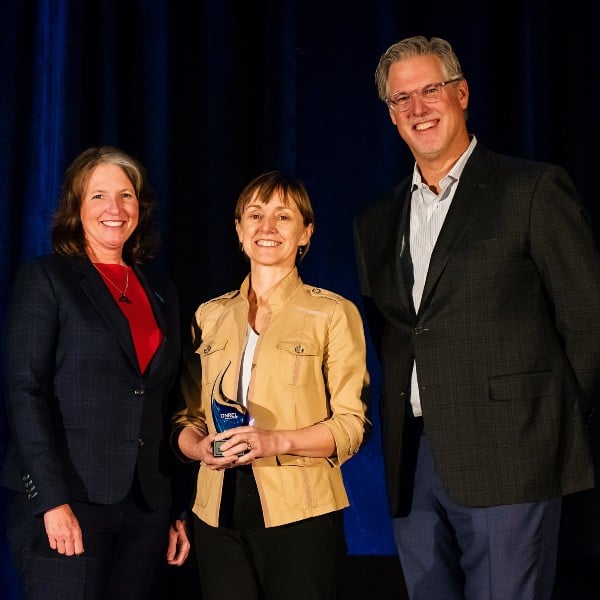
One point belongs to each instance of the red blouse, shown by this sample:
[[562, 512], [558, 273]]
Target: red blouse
[[133, 301]]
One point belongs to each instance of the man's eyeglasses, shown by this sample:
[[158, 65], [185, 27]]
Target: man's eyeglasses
[[429, 94]]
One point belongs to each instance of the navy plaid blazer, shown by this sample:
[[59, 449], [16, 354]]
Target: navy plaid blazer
[[83, 418]]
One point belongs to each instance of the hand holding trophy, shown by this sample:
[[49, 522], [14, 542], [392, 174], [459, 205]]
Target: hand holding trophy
[[226, 413]]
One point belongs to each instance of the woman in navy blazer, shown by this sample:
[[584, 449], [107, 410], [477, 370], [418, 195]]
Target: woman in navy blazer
[[93, 348]]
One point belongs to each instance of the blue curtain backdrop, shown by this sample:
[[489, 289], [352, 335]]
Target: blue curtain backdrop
[[209, 93]]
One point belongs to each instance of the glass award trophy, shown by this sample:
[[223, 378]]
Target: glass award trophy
[[226, 413]]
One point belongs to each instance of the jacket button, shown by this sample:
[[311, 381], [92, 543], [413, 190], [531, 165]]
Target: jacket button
[[139, 392], [207, 349], [140, 442], [299, 349]]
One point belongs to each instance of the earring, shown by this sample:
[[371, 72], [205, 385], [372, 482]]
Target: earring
[[300, 250]]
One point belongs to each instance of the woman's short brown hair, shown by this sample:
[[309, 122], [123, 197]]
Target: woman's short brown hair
[[289, 190]]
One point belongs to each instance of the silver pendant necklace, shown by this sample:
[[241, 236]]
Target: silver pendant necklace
[[123, 292]]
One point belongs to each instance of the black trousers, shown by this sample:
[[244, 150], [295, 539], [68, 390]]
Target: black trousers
[[124, 547], [245, 560]]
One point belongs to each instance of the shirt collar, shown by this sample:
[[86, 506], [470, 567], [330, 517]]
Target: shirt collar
[[454, 173], [282, 294]]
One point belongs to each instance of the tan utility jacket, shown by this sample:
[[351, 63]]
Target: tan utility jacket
[[310, 367]]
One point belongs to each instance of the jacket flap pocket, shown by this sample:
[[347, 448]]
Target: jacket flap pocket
[[210, 346], [299, 347], [289, 460], [521, 385]]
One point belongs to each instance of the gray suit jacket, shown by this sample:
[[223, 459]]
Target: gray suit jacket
[[83, 418], [507, 337]]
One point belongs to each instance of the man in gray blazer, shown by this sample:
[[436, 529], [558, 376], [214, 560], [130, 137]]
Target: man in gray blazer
[[481, 287]]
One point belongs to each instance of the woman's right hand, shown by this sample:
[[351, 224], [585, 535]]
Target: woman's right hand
[[198, 446], [63, 531]]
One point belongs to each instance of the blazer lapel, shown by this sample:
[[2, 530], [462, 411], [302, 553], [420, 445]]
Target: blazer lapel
[[404, 273], [388, 251], [473, 190], [98, 294]]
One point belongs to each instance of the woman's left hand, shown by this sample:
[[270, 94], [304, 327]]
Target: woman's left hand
[[179, 543]]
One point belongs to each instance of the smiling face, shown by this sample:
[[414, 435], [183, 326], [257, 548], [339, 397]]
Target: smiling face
[[271, 232], [435, 131], [109, 212]]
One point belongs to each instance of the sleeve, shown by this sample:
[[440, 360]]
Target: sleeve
[[566, 255], [361, 264], [374, 319], [32, 330], [192, 413], [347, 381]]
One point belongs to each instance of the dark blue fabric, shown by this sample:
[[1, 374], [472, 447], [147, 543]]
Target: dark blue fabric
[[455, 552], [209, 94]]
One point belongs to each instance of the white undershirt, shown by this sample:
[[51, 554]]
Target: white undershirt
[[246, 367]]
